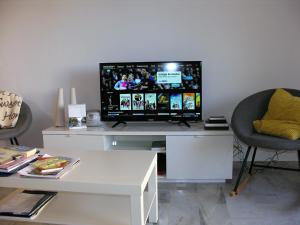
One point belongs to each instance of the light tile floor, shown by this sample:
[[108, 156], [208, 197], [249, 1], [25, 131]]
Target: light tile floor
[[271, 198]]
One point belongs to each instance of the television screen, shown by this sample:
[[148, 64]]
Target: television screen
[[151, 91]]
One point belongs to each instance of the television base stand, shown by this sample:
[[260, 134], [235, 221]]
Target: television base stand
[[185, 123], [212, 149], [117, 123]]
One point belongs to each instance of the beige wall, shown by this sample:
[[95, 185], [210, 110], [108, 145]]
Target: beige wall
[[245, 46]]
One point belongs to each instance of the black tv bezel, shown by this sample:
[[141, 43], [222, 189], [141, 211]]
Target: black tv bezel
[[105, 117]]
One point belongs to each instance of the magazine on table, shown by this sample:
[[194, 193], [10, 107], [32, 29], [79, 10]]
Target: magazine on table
[[47, 166], [15, 157], [15, 165], [15, 152], [25, 203]]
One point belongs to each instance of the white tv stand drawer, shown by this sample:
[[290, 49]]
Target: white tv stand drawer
[[69, 142], [199, 157]]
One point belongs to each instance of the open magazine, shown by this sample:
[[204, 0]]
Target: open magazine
[[24, 203], [49, 167]]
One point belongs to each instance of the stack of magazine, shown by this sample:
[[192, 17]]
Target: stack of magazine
[[47, 166], [25, 203], [15, 157], [216, 123]]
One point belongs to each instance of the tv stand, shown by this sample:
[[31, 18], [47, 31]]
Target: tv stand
[[190, 154], [185, 123], [117, 123]]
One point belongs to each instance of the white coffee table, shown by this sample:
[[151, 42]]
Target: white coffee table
[[106, 187]]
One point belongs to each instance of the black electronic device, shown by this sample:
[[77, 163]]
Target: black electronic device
[[141, 91], [216, 123]]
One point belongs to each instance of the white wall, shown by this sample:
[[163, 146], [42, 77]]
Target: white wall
[[245, 46]]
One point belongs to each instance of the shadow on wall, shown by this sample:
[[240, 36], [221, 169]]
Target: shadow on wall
[[40, 120], [87, 84], [219, 107]]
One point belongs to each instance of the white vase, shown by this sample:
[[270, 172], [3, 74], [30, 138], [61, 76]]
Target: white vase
[[60, 109], [73, 96]]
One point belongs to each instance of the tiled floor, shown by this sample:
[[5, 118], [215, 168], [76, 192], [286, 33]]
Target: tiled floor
[[271, 198]]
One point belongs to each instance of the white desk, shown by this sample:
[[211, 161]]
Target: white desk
[[109, 188]]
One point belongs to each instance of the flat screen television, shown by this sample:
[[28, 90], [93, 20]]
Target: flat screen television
[[151, 91]]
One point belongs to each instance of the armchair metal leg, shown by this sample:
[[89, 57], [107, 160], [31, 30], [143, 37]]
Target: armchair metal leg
[[299, 158], [16, 141], [252, 161], [235, 190]]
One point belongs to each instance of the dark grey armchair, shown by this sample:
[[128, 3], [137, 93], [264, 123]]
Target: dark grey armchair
[[248, 110], [23, 123]]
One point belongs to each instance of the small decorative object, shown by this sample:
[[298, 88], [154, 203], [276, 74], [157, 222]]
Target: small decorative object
[[77, 116], [93, 118], [60, 109], [73, 96]]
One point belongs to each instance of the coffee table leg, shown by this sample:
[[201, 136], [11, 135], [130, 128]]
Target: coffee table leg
[[137, 210], [152, 188]]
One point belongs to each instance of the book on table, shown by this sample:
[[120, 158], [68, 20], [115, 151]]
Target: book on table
[[9, 153], [25, 203], [15, 165], [13, 158], [48, 166]]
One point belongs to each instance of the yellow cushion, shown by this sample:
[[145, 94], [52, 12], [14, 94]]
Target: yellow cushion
[[285, 129], [283, 106]]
